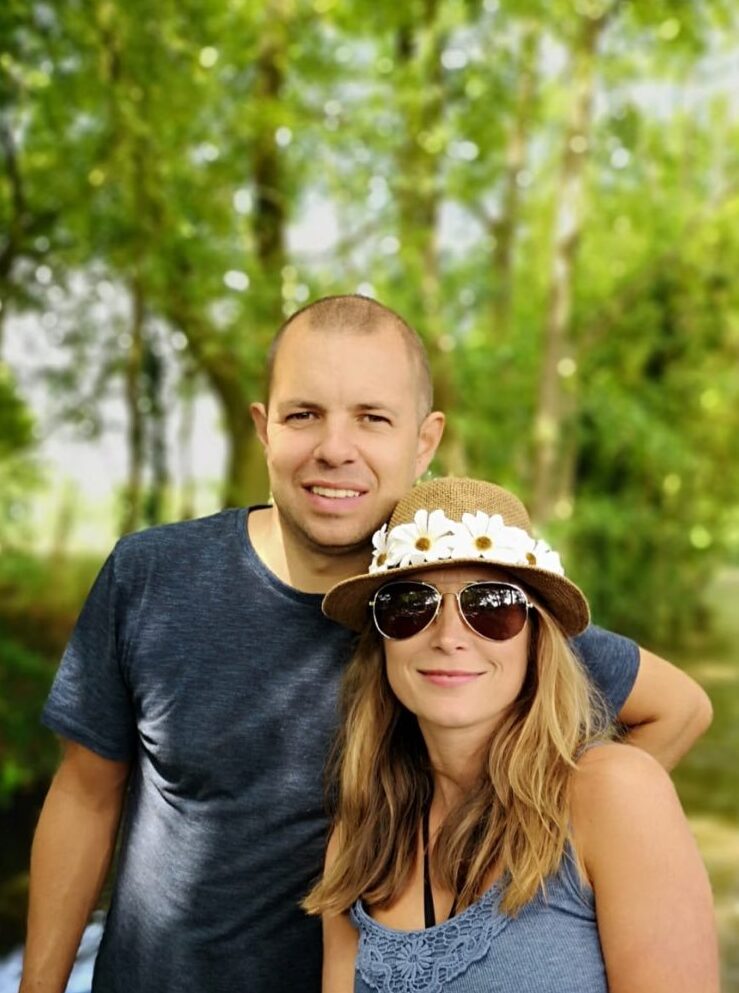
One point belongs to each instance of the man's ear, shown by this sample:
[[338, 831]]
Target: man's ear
[[429, 436], [259, 415]]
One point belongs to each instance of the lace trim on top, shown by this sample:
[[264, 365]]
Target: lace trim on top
[[392, 961]]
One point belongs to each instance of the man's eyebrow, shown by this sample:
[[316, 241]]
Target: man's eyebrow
[[371, 408], [293, 402]]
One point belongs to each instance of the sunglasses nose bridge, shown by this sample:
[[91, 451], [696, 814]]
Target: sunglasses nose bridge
[[449, 617]]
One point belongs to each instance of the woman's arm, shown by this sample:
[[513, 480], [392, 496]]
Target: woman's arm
[[340, 942], [653, 899]]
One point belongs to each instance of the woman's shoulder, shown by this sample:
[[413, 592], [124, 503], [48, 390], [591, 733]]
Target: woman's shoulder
[[614, 762], [616, 783]]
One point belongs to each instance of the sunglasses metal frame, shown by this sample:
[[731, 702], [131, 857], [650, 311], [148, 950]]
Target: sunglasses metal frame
[[439, 596]]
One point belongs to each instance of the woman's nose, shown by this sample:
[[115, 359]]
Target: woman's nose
[[449, 629]]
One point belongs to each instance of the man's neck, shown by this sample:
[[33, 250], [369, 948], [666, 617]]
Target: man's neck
[[295, 564]]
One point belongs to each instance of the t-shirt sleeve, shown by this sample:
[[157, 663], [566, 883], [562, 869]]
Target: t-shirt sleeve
[[89, 701], [611, 661]]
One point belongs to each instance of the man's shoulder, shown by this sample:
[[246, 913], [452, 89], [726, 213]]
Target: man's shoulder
[[181, 539], [176, 531], [596, 642]]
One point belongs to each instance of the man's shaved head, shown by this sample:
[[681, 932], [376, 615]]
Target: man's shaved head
[[357, 314]]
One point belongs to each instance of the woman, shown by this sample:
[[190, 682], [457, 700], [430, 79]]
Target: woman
[[481, 814]]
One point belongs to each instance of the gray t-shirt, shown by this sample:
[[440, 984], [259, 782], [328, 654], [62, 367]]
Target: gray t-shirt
[[220, 682]]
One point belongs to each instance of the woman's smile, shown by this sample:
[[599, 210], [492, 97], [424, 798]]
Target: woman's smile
[[449, 677]]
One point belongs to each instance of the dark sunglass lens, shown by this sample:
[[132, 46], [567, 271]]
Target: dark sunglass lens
[[403, 609], [495, 611]]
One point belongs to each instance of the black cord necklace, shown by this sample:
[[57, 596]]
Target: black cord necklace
[[429, 914]]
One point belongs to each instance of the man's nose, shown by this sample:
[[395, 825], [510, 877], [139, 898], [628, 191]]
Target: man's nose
[[336, 444]]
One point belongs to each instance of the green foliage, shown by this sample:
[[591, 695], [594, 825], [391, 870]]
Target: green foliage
[[39, 601], [16, 422], [18, 475], [177, 177], [26, 755]]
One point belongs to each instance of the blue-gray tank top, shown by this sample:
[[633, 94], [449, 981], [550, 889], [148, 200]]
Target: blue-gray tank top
[[551, 946]]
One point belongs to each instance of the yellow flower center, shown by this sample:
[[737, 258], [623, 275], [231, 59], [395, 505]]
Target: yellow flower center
[[423, 544], [530, 558], [382, 558], [483, 543]]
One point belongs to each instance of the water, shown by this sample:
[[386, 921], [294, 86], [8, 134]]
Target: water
[[80, 981]]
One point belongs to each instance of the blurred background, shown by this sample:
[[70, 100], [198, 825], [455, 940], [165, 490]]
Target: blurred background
[[548, 191]]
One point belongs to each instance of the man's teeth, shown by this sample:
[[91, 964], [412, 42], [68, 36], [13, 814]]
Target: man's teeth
[[333, 494]]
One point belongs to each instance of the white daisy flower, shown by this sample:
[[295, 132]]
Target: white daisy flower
[[513, 546], [380, 550], [477, 537], [429, 539], [544, 557]]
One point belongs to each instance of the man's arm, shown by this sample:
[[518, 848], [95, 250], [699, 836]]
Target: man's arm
[[666, 711], [71, 853]]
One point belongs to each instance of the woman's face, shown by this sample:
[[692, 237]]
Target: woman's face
[[449, 676]]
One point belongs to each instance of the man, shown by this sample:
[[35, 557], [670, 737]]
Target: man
[[200, 684]]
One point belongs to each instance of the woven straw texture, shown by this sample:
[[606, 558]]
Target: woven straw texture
[[348, 601]]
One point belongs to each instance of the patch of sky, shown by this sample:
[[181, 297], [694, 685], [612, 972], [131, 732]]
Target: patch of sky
[[459, 230], [463, 151], [44, 15], [243, 201], [84, 124], [74, 452], [236, 280], [204, 153], [283, 136], [224, 313], [316, 228]]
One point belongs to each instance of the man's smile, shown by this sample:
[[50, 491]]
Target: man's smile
[[334, 493]]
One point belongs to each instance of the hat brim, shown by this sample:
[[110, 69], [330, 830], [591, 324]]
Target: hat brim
[[348, 601]]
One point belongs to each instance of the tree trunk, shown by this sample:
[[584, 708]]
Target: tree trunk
[[156, 494], [13, 236], [246, 472], [503, 227], [269, 218], [246, 475], [270, 199], [418, 51], [554, 449], [245, 479], [185, 442], [135, 433]]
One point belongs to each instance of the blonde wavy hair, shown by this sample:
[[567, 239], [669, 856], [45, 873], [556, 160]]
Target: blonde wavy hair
[[514, 821]]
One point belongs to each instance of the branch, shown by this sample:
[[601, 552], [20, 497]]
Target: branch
[[19, 212]]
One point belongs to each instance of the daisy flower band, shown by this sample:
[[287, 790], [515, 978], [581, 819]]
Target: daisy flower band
[[433, 537]]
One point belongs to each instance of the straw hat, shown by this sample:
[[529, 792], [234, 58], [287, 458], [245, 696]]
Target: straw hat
[[450, 521]]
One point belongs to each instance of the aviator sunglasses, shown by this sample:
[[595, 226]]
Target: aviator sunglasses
[[496, 611]]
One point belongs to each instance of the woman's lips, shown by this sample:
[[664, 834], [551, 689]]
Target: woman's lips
[[448, 677]]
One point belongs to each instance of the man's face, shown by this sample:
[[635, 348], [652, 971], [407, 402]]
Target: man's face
[[342, 435]]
